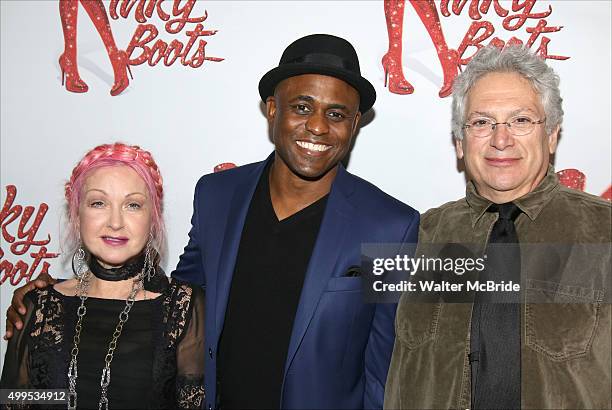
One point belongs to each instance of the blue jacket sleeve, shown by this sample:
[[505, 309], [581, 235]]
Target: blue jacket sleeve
[[382, 337], [190, 267]]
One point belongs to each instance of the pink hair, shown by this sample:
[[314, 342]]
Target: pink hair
[[118, 154]]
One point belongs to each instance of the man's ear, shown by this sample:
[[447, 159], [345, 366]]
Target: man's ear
[[270, 108], [459, 148], [553, 139], [356, 122]]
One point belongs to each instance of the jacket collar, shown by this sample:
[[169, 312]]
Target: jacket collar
[[531, 204], [326, 247], [333, 233]]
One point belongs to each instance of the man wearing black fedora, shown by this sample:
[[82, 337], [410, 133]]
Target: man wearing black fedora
[[276, 245]]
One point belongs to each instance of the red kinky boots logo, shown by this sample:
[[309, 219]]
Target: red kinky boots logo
[[519, 16], [14, 220], [178, 15]]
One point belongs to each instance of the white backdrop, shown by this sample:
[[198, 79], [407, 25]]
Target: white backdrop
[[192, 119]]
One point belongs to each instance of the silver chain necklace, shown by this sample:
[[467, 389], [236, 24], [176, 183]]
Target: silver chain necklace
[[82, 288]]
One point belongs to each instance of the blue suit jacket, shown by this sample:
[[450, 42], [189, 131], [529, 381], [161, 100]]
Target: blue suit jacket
[[340, 347]]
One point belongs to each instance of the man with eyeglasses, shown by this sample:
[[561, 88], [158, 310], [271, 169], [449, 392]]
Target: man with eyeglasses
[[549, 345]]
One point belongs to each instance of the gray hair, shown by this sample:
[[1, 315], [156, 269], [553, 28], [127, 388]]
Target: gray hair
[[517, 59]]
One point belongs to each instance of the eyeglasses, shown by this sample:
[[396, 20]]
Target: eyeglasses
[[517, 126]]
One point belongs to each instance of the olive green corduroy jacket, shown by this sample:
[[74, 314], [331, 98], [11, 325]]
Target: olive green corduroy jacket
[[565, 347]]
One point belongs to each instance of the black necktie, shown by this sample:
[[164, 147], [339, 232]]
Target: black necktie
[[495, 356]]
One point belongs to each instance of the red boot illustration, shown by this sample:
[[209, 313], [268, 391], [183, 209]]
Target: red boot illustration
[[68, 60], [392, 60]]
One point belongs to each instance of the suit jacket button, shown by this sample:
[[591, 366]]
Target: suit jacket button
[[210, 352]]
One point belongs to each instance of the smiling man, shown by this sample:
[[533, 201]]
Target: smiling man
[[550, 349], [276, 245]]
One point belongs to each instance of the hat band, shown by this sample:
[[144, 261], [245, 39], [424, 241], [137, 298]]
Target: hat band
[[324, 59]]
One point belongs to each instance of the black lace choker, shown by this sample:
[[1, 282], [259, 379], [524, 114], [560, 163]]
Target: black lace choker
[[129, 270]]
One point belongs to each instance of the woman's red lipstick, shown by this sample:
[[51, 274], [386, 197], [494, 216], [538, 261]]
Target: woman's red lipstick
[[115, 240]]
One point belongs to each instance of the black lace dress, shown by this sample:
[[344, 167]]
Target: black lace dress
[[158, 363]]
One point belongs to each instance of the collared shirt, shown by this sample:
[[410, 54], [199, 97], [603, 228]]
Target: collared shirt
[[565, 347]]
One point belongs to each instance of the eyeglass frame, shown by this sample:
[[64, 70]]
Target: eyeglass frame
[[508, 125]]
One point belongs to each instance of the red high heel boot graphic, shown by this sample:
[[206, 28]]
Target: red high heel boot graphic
[[427, 12], [392, 60], [119, 60], [68, 60]]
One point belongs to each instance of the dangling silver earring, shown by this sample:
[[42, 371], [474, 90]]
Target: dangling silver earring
[[148, 270], [79, 265]]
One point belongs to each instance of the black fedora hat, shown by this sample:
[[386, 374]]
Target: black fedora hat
[[320, 54]]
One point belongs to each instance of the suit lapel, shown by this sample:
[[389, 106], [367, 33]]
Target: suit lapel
[[236, 217], [322, 265]]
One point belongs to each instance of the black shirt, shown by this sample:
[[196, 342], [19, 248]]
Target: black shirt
[[270, 267], [131, 368], [158, 362]]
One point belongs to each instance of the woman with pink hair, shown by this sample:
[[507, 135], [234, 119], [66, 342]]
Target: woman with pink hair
[[120, 311]]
